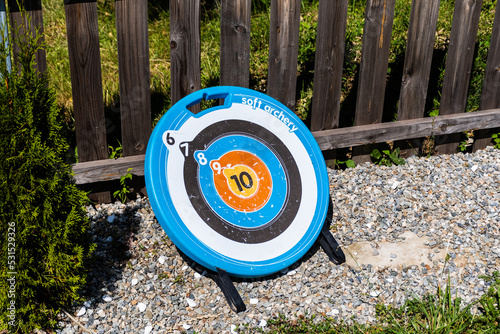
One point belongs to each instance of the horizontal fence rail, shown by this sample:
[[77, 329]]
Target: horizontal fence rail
[[135, 95], [109, 169]]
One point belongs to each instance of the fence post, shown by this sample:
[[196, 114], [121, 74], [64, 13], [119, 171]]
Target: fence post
[[134, 74], [417, 67], [29, 17], [457, 72], [328, 64], [235, 43], [86, 83], [283, 51], [185, 49], [490, 96], [373, 68], [4, 37]]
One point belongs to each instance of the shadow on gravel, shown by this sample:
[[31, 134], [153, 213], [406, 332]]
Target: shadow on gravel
[[112, 236]]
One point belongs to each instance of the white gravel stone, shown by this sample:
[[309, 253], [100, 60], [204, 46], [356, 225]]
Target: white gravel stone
[[141, 307], [191, 302], [81, 312]]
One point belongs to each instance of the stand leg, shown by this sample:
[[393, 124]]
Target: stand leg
[[226, 285], [330, 246]]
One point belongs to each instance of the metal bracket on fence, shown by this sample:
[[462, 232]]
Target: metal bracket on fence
[[224, 282], [331, 246]]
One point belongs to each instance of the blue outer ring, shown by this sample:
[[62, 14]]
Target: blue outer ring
[[157, 187]]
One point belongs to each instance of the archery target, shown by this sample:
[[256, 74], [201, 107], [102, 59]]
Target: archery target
[[242, 186]]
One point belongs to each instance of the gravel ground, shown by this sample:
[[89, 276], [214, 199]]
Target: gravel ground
[[141, 284]]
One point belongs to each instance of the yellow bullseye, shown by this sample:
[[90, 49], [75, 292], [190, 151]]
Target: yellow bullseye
[[242, 180]]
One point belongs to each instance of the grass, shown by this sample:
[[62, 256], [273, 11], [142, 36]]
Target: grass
[[432, 314]]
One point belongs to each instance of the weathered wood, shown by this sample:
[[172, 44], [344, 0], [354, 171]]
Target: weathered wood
[[235, 43], [407, 129], [133, 66], [108, 169], [86, 80], [490, 96], [184, 48], [418, 59], [329, 61], [417, 67], [374, 61], [460, 56], [31, 19], [459, 60], [86, 84], [283, 51], [377, 33]]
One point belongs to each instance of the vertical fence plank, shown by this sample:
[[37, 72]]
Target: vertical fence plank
[[86, 85], [329, 61], [31, 19], [374, 61], [235, 43], [459, 60], [418, 59], [184, 48], [417, 67], [377, 33], [86, 79], [134, 73], [283, 51], [490, 96]]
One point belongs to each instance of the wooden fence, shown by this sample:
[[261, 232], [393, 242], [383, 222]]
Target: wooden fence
[[134, 76]]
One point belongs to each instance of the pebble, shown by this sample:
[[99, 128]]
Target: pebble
[[191, 302], [141, 283], [141, 307], [81, 311]]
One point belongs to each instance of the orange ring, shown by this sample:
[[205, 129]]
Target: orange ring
[[226, 182]]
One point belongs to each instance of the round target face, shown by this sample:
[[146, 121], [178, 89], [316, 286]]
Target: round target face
[[241, 187]]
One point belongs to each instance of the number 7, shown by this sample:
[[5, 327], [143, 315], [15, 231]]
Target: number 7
[[185, 146]]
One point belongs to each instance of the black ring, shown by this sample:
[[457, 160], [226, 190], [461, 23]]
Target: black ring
[[253, 235]]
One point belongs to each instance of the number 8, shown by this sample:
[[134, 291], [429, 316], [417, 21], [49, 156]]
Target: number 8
[[201, 158]]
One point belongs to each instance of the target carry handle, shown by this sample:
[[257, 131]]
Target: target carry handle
[[215, 93]]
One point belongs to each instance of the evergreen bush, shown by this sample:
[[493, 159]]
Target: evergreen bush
[[44, 242]]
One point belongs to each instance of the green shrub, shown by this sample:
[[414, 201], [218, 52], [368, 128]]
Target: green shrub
[[43, 224]]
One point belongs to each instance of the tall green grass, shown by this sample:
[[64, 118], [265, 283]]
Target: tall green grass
[[58, 64]]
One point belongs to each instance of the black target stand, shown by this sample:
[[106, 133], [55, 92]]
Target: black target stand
[[234, 300]]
